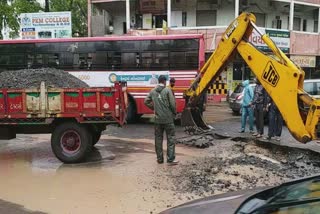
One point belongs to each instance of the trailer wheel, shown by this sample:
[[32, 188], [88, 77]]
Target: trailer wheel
[[132, 111], [71, 142], [96, 137]]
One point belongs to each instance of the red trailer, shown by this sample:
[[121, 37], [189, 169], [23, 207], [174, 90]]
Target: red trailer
[[75, 116]]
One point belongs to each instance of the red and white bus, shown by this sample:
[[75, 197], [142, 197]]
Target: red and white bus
[[99, 61]]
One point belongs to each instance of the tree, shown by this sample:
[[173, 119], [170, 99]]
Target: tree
[[46, 6], [78, 10], [10, 11]]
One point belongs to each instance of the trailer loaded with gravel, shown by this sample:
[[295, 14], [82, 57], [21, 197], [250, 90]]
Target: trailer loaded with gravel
[[75, 116]]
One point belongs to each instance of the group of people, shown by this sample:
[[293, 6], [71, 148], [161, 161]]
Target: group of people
[[256, 104]]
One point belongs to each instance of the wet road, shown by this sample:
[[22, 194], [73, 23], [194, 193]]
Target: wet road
[[118, 178], [121, 176]]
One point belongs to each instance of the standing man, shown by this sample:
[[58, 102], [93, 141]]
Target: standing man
[[275, 120], [258, 102], [162, 102], [246, 108], [172, 83]]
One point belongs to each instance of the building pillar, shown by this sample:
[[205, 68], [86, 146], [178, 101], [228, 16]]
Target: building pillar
[[128, 15], [319, 21], [169, 13], [89, 18], [291, 15], [236, 8]]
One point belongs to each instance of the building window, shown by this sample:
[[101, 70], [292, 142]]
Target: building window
[[260, 19], [296, 23], [304, 26], [315, 26], [279, 23], [206, 18], [184, 19], [157, 20]]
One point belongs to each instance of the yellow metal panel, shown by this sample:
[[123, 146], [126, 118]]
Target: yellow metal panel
[[281, 83], [238, 29]]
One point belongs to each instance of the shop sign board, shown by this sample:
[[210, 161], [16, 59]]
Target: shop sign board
[[304, 61], [46, 25], [133, 78], [280, 37]]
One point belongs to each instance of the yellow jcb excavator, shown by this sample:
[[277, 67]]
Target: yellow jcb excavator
[[281, 78]]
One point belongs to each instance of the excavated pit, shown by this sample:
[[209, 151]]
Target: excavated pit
[[244, 164], [29, 78]]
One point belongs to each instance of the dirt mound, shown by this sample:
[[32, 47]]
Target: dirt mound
[[243, 166], [29, 78]]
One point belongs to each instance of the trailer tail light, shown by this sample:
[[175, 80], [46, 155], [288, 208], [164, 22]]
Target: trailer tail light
[[124, 89], [239, 97], [117, 108]]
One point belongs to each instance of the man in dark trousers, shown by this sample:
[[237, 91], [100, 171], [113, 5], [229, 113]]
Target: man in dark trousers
[[162, 102], [259, 96], [275, 120]]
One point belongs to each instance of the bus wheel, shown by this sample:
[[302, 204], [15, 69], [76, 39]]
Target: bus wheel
[[132, 111], [96, 137], [71, 142]]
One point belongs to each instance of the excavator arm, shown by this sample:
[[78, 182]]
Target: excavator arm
[[280, 77]]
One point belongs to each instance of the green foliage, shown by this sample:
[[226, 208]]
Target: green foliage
[[10, 11], [78, 10]]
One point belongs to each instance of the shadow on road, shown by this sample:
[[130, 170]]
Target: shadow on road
[[8, 207]]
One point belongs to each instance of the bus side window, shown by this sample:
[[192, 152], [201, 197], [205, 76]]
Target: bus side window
[[192, 59], [4, 61], [129, 61], [177, 60], [114, 60], [82, 61], [66, 60], [85, 61], [99, 60], [76, 59], [39, 61], [30, 60], [162, 60], [146, 60], [53, 60]]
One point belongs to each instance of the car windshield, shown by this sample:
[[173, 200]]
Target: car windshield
[[238, 89], [290, 198], [312, 88]]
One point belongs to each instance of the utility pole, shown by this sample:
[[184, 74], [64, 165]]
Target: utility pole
[[47, 6]]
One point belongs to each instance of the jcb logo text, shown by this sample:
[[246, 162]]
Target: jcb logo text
[[270, 75]]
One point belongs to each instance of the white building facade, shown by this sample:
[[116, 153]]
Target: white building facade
[[294, 23]]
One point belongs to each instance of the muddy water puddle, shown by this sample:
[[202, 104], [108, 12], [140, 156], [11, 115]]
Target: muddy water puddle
[[116, 179]]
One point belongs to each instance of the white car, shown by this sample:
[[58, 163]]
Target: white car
[[312, 87], [236, 97]]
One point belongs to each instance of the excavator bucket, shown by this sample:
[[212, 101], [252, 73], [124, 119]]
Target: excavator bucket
[[192, 120]]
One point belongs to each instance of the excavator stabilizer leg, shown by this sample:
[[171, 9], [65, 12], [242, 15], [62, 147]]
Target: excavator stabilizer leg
[[192, 120]]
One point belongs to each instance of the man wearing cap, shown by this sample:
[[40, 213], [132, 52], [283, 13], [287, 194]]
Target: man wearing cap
[[162, 102]]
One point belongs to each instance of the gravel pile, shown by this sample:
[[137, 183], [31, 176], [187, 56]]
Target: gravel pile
[[29, 78], [243, 166]]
